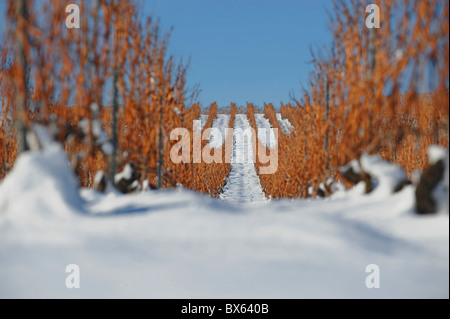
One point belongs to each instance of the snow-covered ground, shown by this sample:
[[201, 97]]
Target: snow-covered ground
[[285, 124], [179, 244], [266, 133], [200, 123], [243, 186], [218, 130]]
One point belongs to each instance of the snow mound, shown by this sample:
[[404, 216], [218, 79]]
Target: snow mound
[[436, 153], [125, 174], [41, 182], [386, 177], [285, 124]]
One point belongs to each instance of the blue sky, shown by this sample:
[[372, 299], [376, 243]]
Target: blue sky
[[245, 50], [242, 50]]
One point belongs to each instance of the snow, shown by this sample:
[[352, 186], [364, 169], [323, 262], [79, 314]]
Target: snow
[[266, 134], [98, 178], [387, 176], [415, 176], [322, 187], [38, 137], [95, 108], [107, 148], [219, 130], [83, 124], [41, 182], [354, 165], [200, 123], [177, 111], [179, 244], [101, 138], [243, 186], [398, 54], [285, 124], [109, 187], [125, 174], [436, 153], [145, 185]]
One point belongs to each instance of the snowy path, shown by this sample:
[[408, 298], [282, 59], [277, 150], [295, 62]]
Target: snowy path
[[243, 185], [218, 133]]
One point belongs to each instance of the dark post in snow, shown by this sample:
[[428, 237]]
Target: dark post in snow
[[160, 148], [372, 50], [114, 138], [21, 99], [327, 109]]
